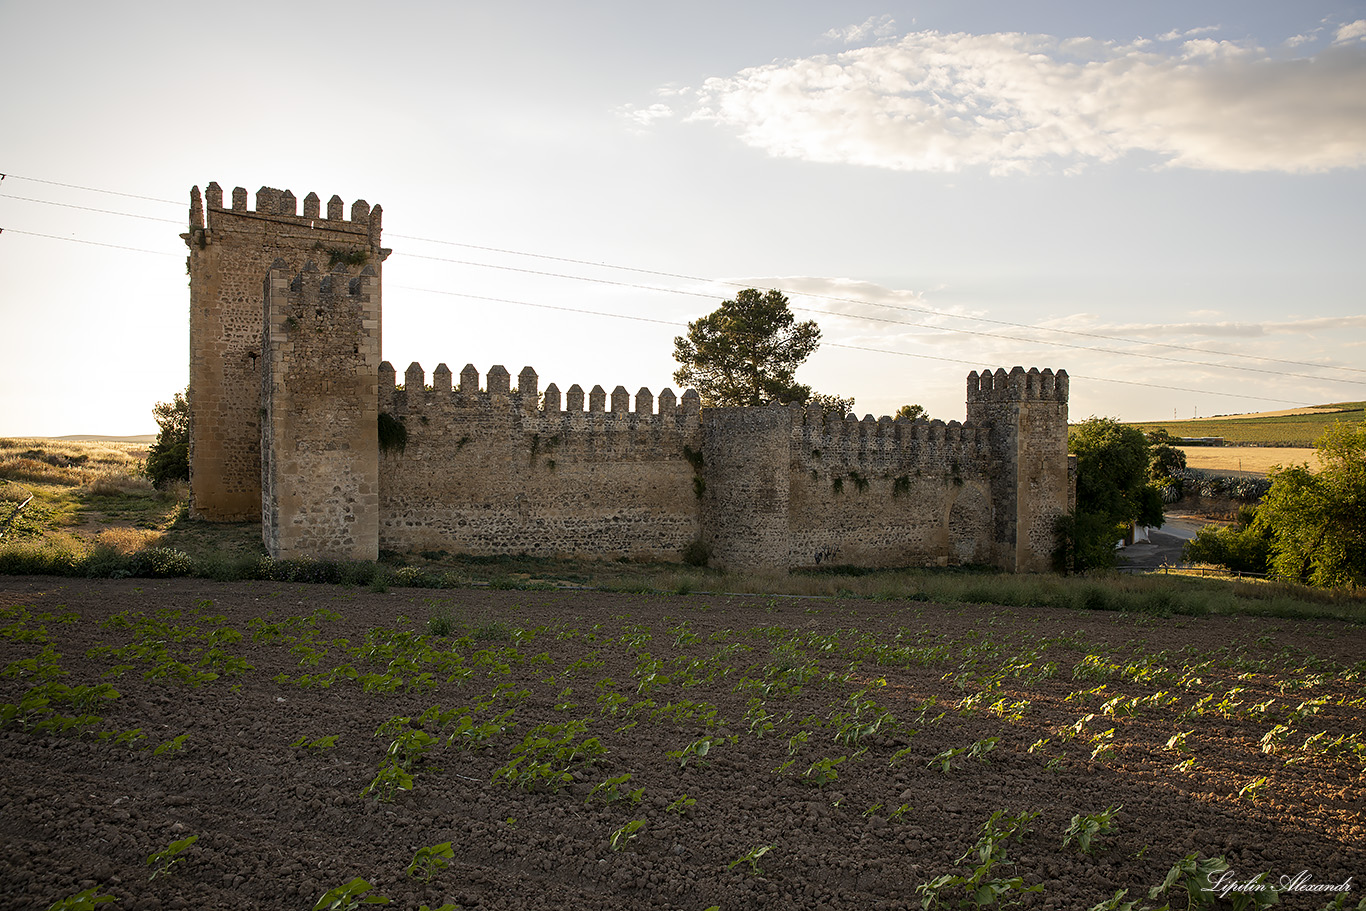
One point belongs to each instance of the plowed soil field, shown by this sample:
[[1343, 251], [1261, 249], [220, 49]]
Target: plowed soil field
[[588, 750]]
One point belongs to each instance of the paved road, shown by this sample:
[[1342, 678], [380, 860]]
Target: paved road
[[1163, 546]]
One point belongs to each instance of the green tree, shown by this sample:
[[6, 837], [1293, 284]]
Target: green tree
[[1164, 461], [1112, 491], [1242, 547], [912, 413], [169, 458], [747, 352], [1316, 523]]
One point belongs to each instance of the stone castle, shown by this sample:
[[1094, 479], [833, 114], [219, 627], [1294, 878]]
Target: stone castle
[[296, 421]]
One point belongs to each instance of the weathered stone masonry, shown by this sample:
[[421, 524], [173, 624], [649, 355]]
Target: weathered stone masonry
[[287, 391], [230, 251]]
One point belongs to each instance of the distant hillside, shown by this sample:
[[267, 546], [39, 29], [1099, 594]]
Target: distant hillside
[[1274, 428]]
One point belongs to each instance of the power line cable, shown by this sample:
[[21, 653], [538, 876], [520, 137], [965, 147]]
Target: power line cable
[[67, 205], [832, 298], [805, 309], [931, 357], [850, 300], [72, 186], [93, 243], [895, 322]]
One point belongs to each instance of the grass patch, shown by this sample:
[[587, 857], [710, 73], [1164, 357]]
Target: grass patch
[[105, 522]]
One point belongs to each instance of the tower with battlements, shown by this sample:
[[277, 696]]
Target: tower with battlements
[[1031, 485], [319, 399], [231, 249]]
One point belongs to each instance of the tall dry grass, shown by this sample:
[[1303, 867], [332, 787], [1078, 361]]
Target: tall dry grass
[[67, 463]]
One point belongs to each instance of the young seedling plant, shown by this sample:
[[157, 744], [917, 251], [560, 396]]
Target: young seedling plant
[[620, 837], [81, 901], [348, 897], [429, 861], [681, 805], [1201, 878], [752, 859], [164, 861], [823, 771], [694, 752], [978, 750], [1084, 829], [980, 887]]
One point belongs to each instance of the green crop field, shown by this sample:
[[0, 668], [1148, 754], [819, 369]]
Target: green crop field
[[1268, 430]]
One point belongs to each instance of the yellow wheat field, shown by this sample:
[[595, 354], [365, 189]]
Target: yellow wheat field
[[1247, 459]]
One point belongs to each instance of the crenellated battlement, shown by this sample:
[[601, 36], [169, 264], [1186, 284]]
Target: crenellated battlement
[[312, 285], [526, 399], [827, 443], [1018, 385], [283, 206]]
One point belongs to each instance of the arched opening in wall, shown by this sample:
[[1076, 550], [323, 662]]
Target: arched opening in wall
[[969, 524]]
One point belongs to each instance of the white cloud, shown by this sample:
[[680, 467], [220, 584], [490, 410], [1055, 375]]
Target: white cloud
[[1352, 31], [1176, 34], [872, 27], [644, 118], [1012, 102]]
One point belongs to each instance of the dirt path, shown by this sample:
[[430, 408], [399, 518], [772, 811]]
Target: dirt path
[[866, 742]]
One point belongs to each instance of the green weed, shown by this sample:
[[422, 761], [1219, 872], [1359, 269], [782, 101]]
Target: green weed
[[430, 860], [1085, 828], [751, 858], [164, 861], [348, 897]]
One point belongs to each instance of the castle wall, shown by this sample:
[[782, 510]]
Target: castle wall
[[746, 486], [288, 397], [889, 492], [320, 391], [495, 471], [231, 249]]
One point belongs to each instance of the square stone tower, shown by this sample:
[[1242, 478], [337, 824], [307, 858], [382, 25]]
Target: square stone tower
[[1031, 484], [231, 250], [320, 414]]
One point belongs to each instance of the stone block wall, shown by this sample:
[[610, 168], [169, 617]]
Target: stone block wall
[[231, 249], [497, 470], [889, 492], [1031, 484], [746, 477], [320, 485]]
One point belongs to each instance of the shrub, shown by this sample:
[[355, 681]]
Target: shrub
[[169, 458], [697, 553]]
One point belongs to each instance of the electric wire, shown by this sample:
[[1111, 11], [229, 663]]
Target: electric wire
[[679, 291], [895, 322], [930, 357], [67, 205], [72, 186], [93, 243], [832, 298], [852, 300]]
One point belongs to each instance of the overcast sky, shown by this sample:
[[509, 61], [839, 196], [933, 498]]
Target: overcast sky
[[1164, 199]]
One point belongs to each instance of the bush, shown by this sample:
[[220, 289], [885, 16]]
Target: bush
[[161, 563], [169, 458], [1195, 482], [697, 553], [1240, 548]]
